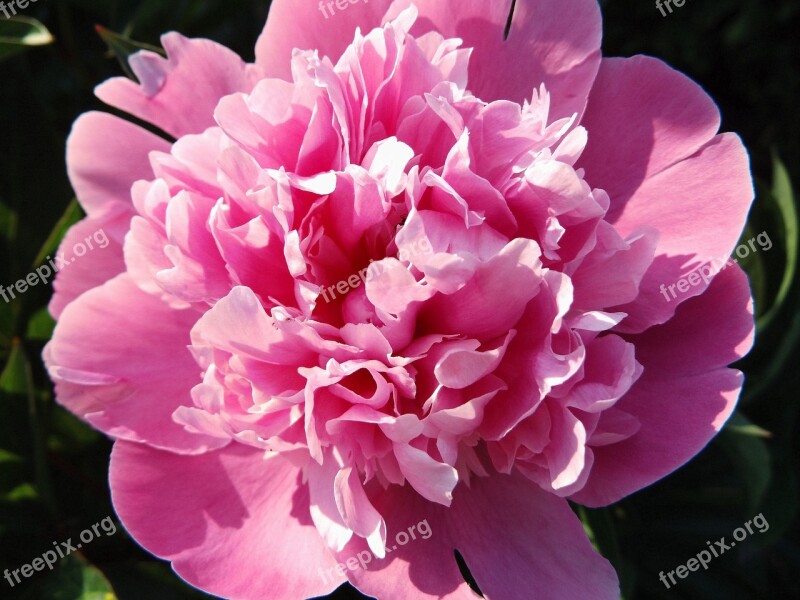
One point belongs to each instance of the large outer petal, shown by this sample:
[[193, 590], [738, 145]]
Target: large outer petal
[[232, 522], [652, 147], [555, 42], [520, 543], [685, 394], [424, 569], [179, 93], [643, 117], [699, 207], [105, 155], [119, 360], [98, 265]]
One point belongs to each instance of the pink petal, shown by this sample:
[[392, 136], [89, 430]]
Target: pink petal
[[685, 387], [643, 116], [232, 522], [691, 233], [644, 119], [357, 511], [560, 40], [432, 479], [610, 370], [712, 330], [323, 508], [566, 453], [463, 367], [99, 264], [246, 249], [179, 93], [612, 274], [105, 155], [422, 569], [126, 390], [472, 311], [329, 35], [393, 289], [514, 537], [522, 542]]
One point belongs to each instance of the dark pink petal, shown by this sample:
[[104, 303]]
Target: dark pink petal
[[652, 148], [232, 522], [643, 117], [518, 541], [521, 542], [686, 392], [692, 233], [712, 330]]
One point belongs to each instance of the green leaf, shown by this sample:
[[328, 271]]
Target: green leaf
[[13, 379], [72, 215], [9, 457], [40, 327], [72, 579], [600, 527], [783, 197], [8, 236], [19, 33], [21, 493], [17, 378], [739, 424], [780, 359], [781, 503], [6, 325], [123, 47], [744, 443], [754, 266]]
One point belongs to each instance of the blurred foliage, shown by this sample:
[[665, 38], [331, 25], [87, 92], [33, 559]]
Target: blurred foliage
[[19, 33], [53, 468]]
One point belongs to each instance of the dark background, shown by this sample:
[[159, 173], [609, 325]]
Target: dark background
[[53, 468]]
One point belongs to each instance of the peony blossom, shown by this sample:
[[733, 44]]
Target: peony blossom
[[402, 269]]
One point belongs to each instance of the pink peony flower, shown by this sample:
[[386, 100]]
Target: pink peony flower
[[400, 270]]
